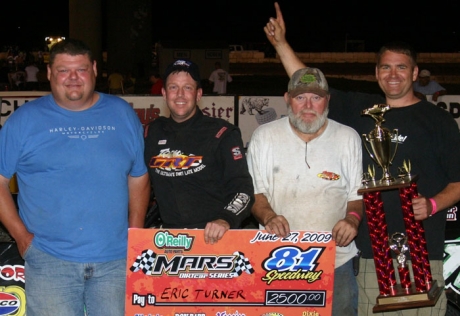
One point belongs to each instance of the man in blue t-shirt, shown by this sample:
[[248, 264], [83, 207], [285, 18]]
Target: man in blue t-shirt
[[78, 158]]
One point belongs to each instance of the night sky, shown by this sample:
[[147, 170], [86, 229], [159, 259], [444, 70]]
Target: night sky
[[311, 25]]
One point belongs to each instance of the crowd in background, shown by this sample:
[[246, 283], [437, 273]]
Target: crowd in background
[[21, 70], [26, 71]]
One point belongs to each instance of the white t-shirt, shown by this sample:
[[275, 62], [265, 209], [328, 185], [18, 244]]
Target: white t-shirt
[[31, 73], [431, 88], [220, 78], [276, 159]]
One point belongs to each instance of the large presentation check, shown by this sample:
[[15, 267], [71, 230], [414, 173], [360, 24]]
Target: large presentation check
[[248, 272]]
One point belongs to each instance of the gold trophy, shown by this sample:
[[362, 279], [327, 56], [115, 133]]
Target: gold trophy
[[423, 290], [380, 141]]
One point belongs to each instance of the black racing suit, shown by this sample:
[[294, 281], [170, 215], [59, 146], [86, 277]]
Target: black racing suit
[[198, 171]]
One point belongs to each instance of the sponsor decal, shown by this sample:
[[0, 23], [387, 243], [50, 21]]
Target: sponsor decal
[[12, 273], [398, 139], [82, 132], [327, 175], [451, 270], [283, 264], [221, 131], [238, 203], [164, 239], [452, 214], [193, 267], [236, 152], [236, 313], [12, 301], [174, 163]]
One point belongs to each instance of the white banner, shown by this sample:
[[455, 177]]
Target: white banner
[[147, 107], [252, 110], [255, 111], [450, 103]]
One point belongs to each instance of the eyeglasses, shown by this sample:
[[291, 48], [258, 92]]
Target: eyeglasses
[[306, 151]]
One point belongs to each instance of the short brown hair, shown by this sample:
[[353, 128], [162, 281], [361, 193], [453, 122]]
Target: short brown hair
[[71, 47], [400, 48]]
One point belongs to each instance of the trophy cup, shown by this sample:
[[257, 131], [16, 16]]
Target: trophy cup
[[380, 141], [423, 290]]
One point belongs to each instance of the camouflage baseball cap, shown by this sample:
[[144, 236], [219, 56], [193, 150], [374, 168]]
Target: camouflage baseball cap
[[310, 80]]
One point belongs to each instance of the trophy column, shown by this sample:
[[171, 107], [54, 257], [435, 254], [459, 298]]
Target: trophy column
[[416, 238], [379, 239], [422, 291]]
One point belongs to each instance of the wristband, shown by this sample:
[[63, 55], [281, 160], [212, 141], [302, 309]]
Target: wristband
[[355, 215], [433, 206]]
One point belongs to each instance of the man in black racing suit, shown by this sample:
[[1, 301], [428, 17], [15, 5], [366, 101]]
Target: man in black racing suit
[[196, 163]]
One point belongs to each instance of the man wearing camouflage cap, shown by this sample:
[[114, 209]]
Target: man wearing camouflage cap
[[307, 170]]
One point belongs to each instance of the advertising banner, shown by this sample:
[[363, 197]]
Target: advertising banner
[[451, 270], [147, 107], [248, 113], [12, 100], [248, 272], [255, 111], [12, 281], [450, 103]]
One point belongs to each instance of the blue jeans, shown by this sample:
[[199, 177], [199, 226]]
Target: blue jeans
[[58, 287], [345, 298]]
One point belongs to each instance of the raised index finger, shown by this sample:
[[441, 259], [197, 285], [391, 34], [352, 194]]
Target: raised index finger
[[279, 15]]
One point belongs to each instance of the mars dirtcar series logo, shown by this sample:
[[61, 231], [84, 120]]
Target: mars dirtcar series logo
[[188, 266]]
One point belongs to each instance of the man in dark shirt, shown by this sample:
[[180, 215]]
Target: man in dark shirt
[[196, 163], [427, 136]]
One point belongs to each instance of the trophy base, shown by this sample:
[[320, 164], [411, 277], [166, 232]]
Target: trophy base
[[408, 298]]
